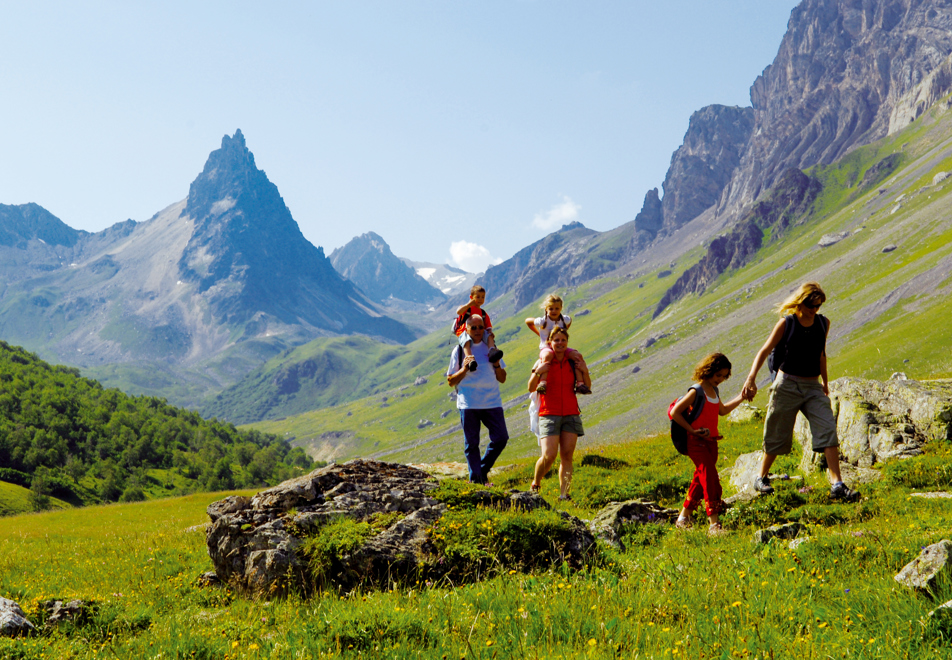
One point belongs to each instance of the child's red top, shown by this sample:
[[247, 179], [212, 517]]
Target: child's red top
[[461, 320]]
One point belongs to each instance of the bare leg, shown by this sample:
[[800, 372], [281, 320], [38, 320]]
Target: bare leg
[[543, 365], [567, 443], [768, 461], [832, 455], [550, 449]]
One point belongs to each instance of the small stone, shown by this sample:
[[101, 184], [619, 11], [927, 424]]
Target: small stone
[[445, 414], [584, 312], [635, 369], [889, 248], [421, 380], [620, 358], [924, 571], [932, 496], [423, 423], [788, 531], [797, 542]]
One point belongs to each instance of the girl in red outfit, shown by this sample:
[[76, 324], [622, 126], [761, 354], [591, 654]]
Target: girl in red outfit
[[702, 439], [560, 422]]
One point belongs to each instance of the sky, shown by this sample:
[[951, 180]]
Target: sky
[[460, 131]]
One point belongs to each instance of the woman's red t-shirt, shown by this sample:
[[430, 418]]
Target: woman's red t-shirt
[[559, 398]]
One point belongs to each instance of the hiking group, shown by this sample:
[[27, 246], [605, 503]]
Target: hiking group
[[795, 353]]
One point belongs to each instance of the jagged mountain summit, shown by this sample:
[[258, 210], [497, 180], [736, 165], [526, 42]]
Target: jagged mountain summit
[[451, 281], [368, 262], [193, 298]]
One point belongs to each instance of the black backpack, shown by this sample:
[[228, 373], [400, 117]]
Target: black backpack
[[779, 353], [679, 436]]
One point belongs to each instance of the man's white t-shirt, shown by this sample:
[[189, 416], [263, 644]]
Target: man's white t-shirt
[[479, 390], [549, 326]]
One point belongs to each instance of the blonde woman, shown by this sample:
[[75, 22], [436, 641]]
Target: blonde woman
[[801, 384]]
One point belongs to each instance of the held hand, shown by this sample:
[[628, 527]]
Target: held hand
[[702, 433]]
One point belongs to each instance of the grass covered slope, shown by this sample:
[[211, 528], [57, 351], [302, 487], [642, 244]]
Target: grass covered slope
[[888, 312], [66, 437], [671, 593]]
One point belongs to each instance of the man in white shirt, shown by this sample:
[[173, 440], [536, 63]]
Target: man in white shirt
[[479, 401]]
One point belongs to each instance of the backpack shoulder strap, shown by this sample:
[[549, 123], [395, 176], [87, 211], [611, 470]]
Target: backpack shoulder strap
[[699, 399]]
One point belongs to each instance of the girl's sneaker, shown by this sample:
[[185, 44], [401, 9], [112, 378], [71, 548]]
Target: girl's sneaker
[[534, 488], [540, 388], [565, 498], [716, 530], [684, 523]]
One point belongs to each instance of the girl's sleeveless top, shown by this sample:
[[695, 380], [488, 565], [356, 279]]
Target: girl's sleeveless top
[[710, 413], [804, 349], [559, 398]]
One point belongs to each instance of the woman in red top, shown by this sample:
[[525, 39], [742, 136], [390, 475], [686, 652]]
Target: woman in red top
[[560, 423]]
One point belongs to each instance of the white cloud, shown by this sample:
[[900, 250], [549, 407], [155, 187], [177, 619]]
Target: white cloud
[[471, 257], [561, 214]]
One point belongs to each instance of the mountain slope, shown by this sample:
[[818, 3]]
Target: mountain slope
[[186, 302]]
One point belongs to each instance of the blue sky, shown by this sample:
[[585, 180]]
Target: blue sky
[[477, 126]]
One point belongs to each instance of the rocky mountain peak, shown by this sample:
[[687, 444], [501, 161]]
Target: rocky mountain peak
[[368, 262]]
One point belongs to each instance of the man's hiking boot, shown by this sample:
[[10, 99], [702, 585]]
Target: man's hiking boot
[[581, 388], [495, 355], [472, 365], [841, 491], [762, 485]]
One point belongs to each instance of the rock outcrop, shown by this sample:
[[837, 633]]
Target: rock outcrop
[[787, 204], [262, 545], [13, 621], [877, 421], [846, 74]]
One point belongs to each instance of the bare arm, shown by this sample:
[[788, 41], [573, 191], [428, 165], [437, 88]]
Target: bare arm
[[750, 385], [530, 323], [726, 408], [534, 380], [500, 374], [454, 379], [462, 308]]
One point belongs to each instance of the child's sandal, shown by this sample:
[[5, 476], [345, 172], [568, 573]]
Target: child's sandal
[[540, 388]]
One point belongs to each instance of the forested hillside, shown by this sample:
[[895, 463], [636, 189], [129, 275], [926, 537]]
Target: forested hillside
[[67, 437]]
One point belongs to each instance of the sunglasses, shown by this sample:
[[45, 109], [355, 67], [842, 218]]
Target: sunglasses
[[812, 306]]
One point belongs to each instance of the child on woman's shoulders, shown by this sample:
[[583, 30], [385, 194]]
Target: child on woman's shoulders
[[543, 326]]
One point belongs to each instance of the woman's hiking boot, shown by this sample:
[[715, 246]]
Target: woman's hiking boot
[[841, 491], [762, 485]]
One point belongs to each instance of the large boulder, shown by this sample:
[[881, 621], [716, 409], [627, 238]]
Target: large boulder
[[877, 421], [263, 545], [608, 522], [928, 568], [13, 621]]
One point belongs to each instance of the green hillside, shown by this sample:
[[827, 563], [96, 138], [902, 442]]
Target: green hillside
[[66, 439], [888, 312]]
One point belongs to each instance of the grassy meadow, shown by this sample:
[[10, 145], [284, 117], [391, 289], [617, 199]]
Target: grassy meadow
[[670, 594]]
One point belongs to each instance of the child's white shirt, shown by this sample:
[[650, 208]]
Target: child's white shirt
[[550, 325]]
